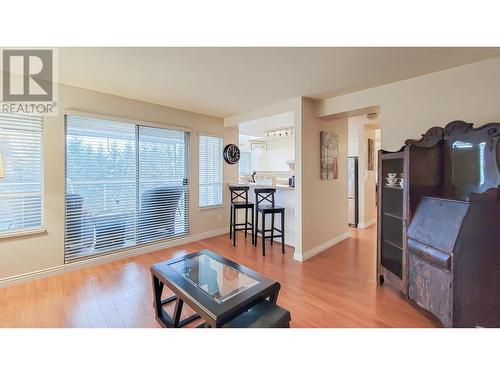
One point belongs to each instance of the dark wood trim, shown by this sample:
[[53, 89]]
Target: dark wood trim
[[430, 138], [379, 218], [387, 155]]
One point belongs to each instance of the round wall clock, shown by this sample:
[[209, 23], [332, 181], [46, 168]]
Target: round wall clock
[[231, 153]]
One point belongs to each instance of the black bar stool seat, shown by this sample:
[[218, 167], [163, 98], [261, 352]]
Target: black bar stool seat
[[239, 201], [264, 203], [270, 208], [242, 204]]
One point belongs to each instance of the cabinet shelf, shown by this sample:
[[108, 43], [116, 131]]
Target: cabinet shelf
[[393, 215], [393, 244], [393, 187]]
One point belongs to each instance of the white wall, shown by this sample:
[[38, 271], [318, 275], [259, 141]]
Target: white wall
[[410, 107], [20, 255], [278, 152], [353, 138]]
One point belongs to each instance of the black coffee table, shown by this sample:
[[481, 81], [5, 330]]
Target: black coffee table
[[216, 288]]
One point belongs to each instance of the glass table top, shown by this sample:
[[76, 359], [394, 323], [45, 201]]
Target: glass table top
[[218, 280]]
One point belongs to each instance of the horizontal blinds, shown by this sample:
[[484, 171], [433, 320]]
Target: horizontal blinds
[[115, 189], [163, 184], [210, 171], [100, 186], [21, 172]]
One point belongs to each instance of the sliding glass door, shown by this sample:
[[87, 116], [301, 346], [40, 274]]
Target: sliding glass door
[[163, 184], [125, 185]]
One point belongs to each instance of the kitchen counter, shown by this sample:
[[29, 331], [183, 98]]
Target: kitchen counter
[[257, 185]]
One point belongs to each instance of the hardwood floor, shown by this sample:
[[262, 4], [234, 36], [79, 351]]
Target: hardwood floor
[[336, 288]]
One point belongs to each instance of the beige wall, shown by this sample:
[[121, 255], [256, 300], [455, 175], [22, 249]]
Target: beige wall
[[370, 180], [324, 202], [408, 108], [21, 255]]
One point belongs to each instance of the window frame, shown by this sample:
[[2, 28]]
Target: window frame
[[221, 137], [42, 228]]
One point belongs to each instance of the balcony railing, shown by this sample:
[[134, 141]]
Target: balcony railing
[[112, 213], [103, 196]]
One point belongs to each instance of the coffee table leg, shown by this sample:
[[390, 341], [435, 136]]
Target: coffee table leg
[[177, 313], [273, 298], [162, 316], [157, 290]]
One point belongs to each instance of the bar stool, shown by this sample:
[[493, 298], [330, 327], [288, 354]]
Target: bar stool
[[239, 200], [267, 196]]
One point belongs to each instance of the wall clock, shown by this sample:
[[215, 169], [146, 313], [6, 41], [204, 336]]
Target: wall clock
[[231, 153]]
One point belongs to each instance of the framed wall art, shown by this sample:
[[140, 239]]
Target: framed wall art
[[329, 153]]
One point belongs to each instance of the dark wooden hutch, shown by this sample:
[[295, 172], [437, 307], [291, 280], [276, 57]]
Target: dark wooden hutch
[[417, 163], [392, 222], [439, 234]]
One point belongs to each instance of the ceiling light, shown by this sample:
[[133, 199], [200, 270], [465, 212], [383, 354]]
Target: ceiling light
[[282, 133]]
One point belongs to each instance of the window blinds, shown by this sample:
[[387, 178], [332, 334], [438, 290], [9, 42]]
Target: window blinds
[[125, 185], [163, 184], [21, 172], [210, 171]]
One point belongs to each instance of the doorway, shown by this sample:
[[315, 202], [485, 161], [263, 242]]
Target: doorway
[[363, 146]]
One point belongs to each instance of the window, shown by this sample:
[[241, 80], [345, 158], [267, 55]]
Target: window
[[163, 183], [210, 173], [245, 164], [126, 185], [21, 173]]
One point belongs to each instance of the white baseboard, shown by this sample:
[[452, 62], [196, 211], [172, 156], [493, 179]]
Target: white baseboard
[[367, 224], [35, 275], [322, 247]]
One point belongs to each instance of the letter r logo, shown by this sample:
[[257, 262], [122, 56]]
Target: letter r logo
[[27, 75]]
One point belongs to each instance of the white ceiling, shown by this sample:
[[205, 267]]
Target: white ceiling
[[226, 81]]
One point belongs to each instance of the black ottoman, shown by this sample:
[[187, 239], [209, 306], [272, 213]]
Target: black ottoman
[[263, 315]]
